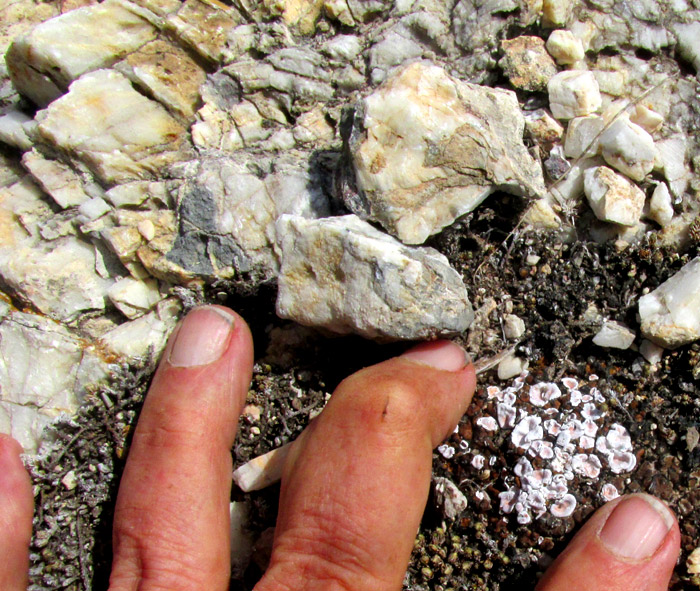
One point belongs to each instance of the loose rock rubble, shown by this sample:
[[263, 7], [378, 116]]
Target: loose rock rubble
[[156, 155]]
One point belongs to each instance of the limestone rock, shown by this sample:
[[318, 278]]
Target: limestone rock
[[344, 275], [146, 336], [227, 214], [207, 28], [526, 63], [428, 148], [648, 119], [511, 366], [45, 61], [448, 496], [628, 148], [13, 132], [672, 157], [168, 74], [564, 47], [581, 135], [573, 93], [612, 197], [56, 178], [556, 12], [651, 351], [41, 378], [118, 133], [134, 298], [660, 205], [513, 326], [614, 335], [301, 14], [669, 314], [544, 129]]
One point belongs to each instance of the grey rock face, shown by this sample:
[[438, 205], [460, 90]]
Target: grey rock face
[[228, 211], [344, 275], [428, 148]]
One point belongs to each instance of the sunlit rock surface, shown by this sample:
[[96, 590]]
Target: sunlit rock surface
[[344, 275], [227, 214], [119, 134], [428, 148], [670, 314], [612, 197], [43, 373], [46, 60]]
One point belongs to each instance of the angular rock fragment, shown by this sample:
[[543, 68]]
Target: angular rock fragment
[[648, 119], [612, 197], [448, 496], [145, 337], [56, 178], [344, 275], [661, 206], [134, 298], [206, 28], [581, 135], [227, 214], [564, 47], [544, 129], [168, 74], [13, 132], [573, 93], [43, 374], [614, 335], [262, 471], [671, 313], [556, 12], [44, 62], [117, 132], [428, 148], [628, 148], [526, 63]]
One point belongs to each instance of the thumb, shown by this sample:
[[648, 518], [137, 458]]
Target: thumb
[[630, 544]]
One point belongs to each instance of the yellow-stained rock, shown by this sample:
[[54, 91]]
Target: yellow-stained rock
[[118, 133]]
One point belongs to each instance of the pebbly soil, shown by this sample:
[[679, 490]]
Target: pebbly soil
[[297, 369]]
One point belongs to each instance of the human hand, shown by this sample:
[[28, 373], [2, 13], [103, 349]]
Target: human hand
[[353, 490]]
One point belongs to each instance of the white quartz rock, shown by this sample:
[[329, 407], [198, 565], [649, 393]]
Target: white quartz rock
[[689, 42], [117, 132], [12, 131], [56, 178], [40, 377], [262, 471], [573, 93], [46, 60], [628, 148], [513, 326], [556, 12], [614, 335], [651, 351], [564, 47], [671, 313], [139, 339], [428, 148], [342, 274], [612, 197], [229, 206], [56, 277], [672, 158], [448, 496], [581, 135], [134, 298], [661, 206], [511, 366]]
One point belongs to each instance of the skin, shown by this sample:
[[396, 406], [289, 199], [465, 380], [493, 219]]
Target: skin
[[353, 491]]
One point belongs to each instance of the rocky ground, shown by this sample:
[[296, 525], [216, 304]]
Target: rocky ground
[[519, 176]]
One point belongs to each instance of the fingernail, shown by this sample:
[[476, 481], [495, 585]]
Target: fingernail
[[636, 527], [202, 337], [439, 354]]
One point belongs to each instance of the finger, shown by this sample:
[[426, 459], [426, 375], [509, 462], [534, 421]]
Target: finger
[[16, 508], [356, 482], [630, 544], [171, 521]]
